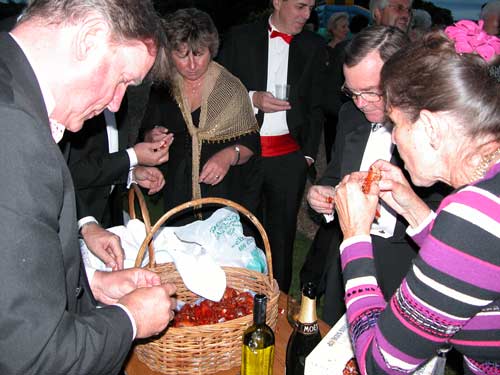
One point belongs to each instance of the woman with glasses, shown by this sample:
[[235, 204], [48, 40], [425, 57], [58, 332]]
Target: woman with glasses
[[444, 102]]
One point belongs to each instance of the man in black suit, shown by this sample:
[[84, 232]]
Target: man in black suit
[[278, 51], [101, 166], [394, 13], [60, 65], [362, 138]]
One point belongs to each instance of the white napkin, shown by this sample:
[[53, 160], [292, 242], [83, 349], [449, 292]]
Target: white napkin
[[199, 272]]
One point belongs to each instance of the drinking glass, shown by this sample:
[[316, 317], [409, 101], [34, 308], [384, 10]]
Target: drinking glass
[[282, 91]]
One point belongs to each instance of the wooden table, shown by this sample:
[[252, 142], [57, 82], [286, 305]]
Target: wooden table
[[282, 333]]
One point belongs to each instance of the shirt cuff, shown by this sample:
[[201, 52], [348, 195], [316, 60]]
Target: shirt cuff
[[329, 217], [132, 320], [412, 232], [86, 220], [255, 109], [310, 158], [130, 178], [132, 156], [90, 271]]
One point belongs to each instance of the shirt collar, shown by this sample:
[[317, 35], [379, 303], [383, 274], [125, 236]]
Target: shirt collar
[[47, 96]]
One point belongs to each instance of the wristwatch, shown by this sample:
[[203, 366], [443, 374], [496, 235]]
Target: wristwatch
[[237, 149]]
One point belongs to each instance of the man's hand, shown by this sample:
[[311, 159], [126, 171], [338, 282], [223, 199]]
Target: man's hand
[[109, 287], [149, 178], [320, 198], [267, 103], [104, 245], [153, 153], [150, 303], [152, 308], [157, 134]]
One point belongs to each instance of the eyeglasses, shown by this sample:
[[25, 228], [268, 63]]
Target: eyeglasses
[[368, 96], [399, 8]]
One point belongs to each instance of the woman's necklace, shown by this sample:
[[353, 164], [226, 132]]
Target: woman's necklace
[[484, 165]]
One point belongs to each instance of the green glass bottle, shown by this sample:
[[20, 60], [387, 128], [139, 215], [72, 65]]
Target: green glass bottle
[[258, 342], [305, 335]]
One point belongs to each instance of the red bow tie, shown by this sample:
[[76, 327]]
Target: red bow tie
[[286, 37]]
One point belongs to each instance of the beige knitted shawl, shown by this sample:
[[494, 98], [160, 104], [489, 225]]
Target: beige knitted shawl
[[226, 113]]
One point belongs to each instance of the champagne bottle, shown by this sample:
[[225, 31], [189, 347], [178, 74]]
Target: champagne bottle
[[305, 335], [258, 342]]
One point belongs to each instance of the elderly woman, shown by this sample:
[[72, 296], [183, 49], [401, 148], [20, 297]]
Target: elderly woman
[[445, 107], [338, 27], [209, 112]]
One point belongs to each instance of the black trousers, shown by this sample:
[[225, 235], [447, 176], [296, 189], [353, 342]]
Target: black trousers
[[283, 184]]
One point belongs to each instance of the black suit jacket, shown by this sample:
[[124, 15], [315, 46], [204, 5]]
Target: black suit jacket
[[353, 131], [95, 170], [244, 53], [48, 318]]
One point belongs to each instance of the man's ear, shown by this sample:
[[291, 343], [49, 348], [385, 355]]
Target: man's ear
[[377, 16], [93, 35], [434, 127]]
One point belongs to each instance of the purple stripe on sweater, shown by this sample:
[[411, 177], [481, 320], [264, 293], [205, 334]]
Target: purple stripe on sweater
[[483, 322], [387, 347], [479, 202], [377, 356], [356, 251], [460, 265]]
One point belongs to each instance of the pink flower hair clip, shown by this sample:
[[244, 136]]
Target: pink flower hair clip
[[470, 37]]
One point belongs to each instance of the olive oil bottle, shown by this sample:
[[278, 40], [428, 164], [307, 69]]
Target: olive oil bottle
[[305, 335], [258, 342]]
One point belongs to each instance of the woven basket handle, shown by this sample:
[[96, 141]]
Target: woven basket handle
[[197, 203], [135, 191]]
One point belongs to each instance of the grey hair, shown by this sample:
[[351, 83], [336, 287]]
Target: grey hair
[[334, 18], [380, 4], [127, 19], [490, 7], [387, 40]]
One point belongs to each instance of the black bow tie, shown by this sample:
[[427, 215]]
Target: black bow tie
[[376, 126]]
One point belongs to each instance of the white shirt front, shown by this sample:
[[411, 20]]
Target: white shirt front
[[277, 73], [380, 146]]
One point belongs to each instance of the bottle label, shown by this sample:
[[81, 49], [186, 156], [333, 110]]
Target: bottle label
[[308, 328]]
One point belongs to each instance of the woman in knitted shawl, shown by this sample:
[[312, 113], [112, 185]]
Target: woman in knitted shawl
[[216, 142]]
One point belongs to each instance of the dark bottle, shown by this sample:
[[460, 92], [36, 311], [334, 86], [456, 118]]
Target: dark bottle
[[257, 355], [305, 335]]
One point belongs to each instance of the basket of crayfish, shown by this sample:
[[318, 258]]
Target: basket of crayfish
[[187, 347]]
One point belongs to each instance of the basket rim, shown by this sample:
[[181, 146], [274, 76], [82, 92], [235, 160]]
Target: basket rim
[[196, 203]]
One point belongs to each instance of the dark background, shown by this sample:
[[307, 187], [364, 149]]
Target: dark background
[[227, 13]]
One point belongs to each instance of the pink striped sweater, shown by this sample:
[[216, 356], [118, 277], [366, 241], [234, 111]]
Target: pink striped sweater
[[451, 294]]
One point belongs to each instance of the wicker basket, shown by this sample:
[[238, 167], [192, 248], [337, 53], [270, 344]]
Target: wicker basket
[[209, 348]]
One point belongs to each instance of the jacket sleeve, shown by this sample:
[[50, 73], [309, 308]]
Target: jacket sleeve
[[315, 110], [42, 333]]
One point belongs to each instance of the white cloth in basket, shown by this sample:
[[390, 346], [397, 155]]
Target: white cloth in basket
[[198, 249]]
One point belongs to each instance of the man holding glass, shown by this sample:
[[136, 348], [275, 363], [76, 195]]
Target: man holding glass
[[277, 51], [63, 63]]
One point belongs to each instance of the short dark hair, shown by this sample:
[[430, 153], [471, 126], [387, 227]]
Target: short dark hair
[[429, 74], [193, 27], [128, 20], [384, 39]]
